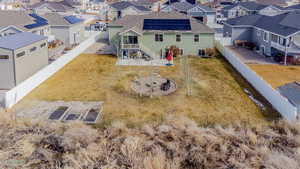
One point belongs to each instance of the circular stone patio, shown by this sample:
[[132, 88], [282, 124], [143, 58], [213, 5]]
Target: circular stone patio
[[153, 85]]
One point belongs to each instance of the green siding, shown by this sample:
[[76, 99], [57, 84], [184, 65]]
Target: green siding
[[187, 42]]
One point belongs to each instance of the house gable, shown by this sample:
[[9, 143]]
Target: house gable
[[270, 11], [9, 30]]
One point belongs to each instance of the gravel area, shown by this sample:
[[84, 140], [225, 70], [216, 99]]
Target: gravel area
[[43, 109]]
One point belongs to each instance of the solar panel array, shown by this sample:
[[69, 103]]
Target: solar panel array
[[73, 19], [167, 24], [39, 21]]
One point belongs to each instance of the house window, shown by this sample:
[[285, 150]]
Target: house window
[[159, 38], [20, 54], [196, 38], [178, 38], [258, 32], [282, 41], [33, 49], [201, 52], [274, 38], [130, 40], [3, 56], [43, 45], [266, 36]]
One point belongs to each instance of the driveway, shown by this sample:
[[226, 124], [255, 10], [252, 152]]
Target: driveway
[[251, 57]]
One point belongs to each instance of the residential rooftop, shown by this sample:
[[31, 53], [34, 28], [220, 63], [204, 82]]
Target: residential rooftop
[[125, 4], [252, 6], [18, 19], [57, 19], [61, 6], [284, 24], [291, 91], [136, 22], [19, 40]]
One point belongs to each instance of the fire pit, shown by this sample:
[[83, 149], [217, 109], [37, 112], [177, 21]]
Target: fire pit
[[153, 85]]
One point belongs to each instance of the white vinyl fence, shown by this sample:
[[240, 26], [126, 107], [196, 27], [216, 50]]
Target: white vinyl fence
[[14, 95], [280, 103]]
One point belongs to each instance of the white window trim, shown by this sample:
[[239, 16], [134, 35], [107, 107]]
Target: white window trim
[[267, 38], [158, 34], [176, 38]]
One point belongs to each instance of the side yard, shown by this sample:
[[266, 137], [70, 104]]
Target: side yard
[[217, 92], [277, 75]]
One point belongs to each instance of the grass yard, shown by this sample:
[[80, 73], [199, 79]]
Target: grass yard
[[277, 75], [217, 92]]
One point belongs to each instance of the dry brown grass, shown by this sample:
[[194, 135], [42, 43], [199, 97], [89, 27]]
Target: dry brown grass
[[217, 92], [177, 143], [277, 75]]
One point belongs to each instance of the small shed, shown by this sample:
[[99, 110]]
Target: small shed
[[292, 92], [21, 55]]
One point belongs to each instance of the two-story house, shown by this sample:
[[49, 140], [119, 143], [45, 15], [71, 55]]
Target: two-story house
[[274, 36], [120, 9], [201, 12], [250, 8], [153, 34]]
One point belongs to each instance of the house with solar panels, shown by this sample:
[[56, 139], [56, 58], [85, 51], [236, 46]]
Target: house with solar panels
[[68, 29], [21, 56], [12, 22], [153, 34]]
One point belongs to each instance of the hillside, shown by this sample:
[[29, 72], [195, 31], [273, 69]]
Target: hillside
[[174, 144]]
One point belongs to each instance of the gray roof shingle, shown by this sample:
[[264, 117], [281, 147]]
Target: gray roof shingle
[[55, 19], [125, 4], [182, 6], [19, 40], [291, 91], [56, 6], [136, 21], [16, 18], [284, 24], [253, 6]]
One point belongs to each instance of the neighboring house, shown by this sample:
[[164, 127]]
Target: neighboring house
[[281, 3], [61, 7], [200, 12], [153, 34], [249, 8], [294, 7], [12, 22], [68, 29], [120, 9], [277, 36], [21, 55], [153, 5], [291, 91]]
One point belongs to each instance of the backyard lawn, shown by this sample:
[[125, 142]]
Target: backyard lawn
[[217, 91], [277, 75]]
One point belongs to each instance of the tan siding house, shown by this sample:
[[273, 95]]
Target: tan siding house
[[21, 56]]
